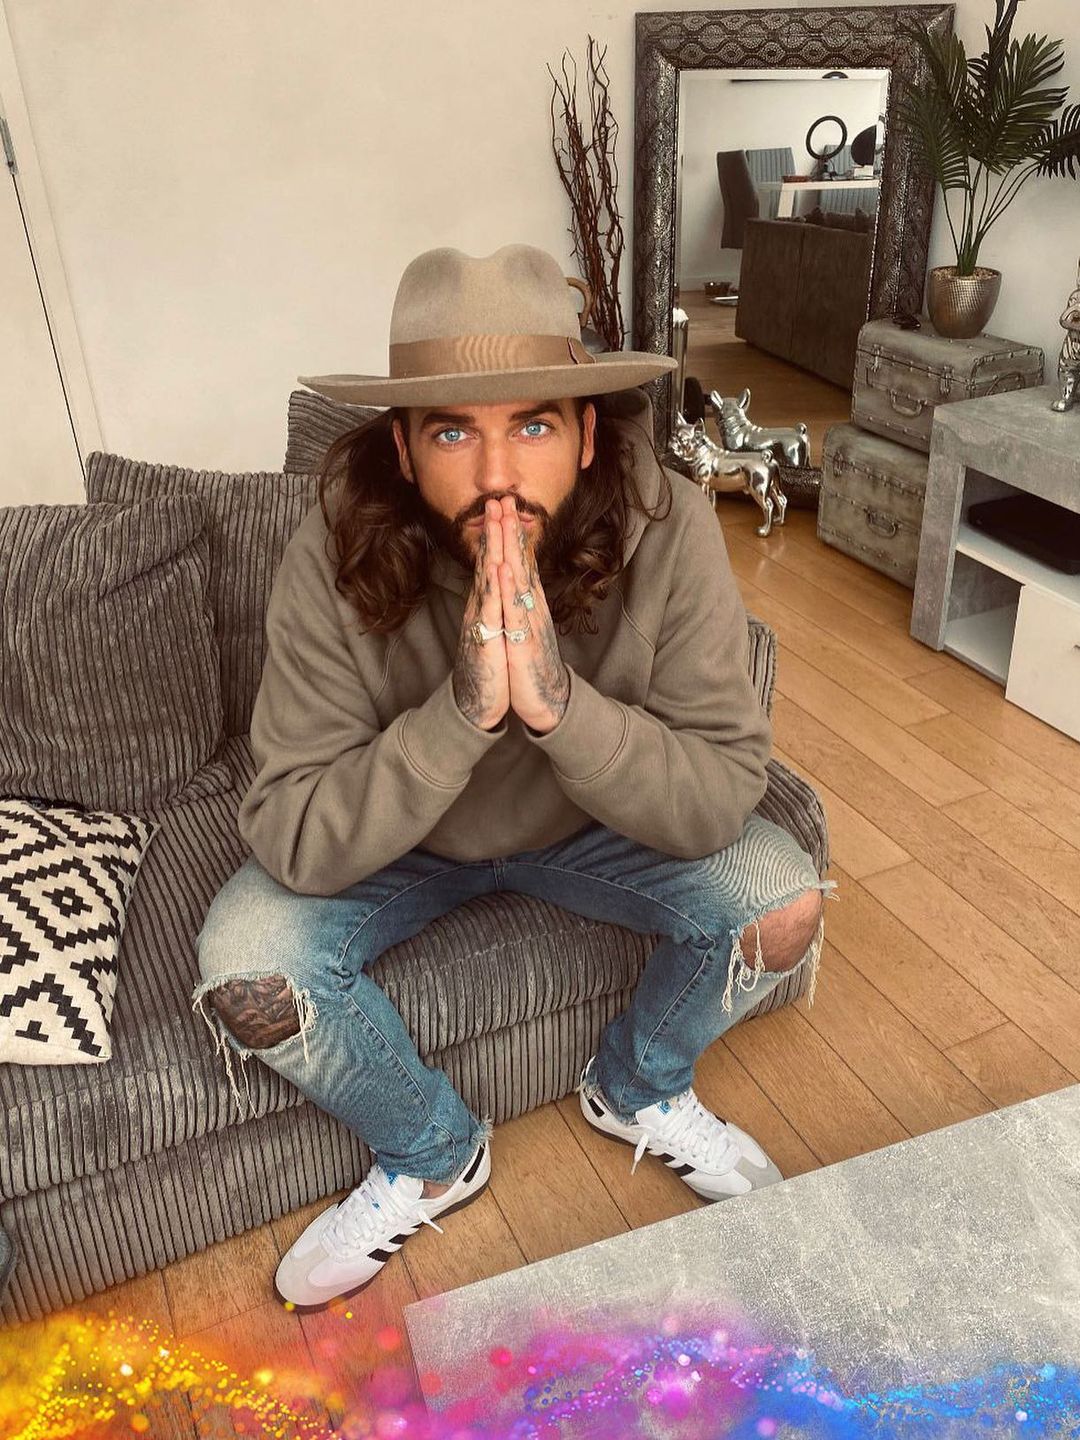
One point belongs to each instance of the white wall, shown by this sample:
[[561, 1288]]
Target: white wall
[[236, 187], [718, 113]]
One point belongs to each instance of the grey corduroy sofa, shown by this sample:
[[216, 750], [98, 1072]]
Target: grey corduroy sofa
[[108, 1171]]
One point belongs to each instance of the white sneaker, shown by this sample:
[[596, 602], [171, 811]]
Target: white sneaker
[[714, 1157], [345, 1247]]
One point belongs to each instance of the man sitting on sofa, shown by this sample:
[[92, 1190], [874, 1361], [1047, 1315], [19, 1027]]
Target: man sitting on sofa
[[424, 736]]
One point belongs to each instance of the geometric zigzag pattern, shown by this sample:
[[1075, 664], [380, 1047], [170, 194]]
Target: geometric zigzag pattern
[[66, 877]]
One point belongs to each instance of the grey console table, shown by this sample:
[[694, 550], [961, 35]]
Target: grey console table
[[1009, 616]]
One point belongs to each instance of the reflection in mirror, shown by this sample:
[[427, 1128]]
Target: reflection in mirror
[[777, 190]]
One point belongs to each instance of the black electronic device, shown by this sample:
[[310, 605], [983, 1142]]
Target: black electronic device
[[864, 146], [1034, 526]]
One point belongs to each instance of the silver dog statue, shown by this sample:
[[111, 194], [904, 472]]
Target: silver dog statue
[[724, 471], [789, 444], [1069, 363]]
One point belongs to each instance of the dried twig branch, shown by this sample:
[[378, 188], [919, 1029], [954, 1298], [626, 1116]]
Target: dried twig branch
[[590, 177]]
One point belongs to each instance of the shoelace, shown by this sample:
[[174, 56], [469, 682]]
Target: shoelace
[[357, 1223], [696, 1133]]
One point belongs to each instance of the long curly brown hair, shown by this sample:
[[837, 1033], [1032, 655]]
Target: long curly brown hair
[[384, 546]]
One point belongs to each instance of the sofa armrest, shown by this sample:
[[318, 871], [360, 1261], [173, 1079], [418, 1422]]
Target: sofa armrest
[[793, 804], [768, 284], [315, 422], [831, 301], [761, 658]]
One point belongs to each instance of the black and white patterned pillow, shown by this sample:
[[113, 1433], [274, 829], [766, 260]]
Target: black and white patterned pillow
[[66, 877]]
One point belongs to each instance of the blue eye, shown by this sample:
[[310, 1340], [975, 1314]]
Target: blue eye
[[451, 435], [536, 428]]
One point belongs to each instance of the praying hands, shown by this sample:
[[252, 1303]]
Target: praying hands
[[519, 668]]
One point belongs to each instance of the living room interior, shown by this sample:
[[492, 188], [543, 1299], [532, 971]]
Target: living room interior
[[203, 203]]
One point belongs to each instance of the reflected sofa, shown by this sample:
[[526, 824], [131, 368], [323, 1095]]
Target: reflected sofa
[[804, 290]]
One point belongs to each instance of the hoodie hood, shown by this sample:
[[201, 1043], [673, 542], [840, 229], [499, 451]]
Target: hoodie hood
[[633, 415]]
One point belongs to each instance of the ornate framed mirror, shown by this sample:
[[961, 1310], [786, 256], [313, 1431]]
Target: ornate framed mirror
[[889, 195]]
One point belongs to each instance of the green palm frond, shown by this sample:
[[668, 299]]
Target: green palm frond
[[937, 107], [1012, 102], [989, 116], [939, 136], [1058, 146], [986, 66], [945, 56]]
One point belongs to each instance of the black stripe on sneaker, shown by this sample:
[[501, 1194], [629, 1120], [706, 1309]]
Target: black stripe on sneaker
[[475, 1166], [397, 1240], [593, 1106], [678, 1169]]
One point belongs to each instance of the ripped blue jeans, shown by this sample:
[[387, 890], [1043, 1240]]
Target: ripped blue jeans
[[353, 1056]]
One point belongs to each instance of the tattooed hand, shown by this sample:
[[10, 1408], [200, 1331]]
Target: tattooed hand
[[481, 681], [539, 679]]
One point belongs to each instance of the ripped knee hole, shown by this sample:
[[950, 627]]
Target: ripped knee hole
[[260, 1013], [785, 934]]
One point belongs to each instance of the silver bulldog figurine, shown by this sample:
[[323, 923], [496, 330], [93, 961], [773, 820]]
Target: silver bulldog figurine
[[788, 444], [723, 471], [1069, 363]]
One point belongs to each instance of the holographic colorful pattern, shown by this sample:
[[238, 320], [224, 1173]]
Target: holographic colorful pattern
[[86, 1378]]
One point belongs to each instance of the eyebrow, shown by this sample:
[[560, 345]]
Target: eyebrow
[[465, 417]]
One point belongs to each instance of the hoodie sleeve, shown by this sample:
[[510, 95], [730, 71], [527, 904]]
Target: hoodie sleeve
[[684, 771], [335, 797]]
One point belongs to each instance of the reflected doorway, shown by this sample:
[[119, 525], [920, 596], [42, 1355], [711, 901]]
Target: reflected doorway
[[779, 176]]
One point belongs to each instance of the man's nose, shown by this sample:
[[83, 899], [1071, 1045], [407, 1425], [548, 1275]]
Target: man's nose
[[495, 469]]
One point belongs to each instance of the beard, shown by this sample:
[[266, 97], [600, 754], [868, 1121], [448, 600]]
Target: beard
[[551, 545]]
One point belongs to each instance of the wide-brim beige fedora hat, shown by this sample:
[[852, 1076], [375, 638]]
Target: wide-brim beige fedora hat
[[485, 330]]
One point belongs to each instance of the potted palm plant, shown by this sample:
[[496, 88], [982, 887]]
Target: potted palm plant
[[984, 126]]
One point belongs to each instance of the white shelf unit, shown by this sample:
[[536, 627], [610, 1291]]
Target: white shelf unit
[[985, 640], [1003, 612], [1018, 566]]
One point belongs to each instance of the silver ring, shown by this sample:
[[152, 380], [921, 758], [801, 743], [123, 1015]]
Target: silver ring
[[526, 599], [482, 633], [517, 636]]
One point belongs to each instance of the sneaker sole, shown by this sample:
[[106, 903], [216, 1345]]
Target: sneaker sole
[[348, 1294]]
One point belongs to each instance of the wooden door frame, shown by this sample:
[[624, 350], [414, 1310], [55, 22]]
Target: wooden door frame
[[45, 250]]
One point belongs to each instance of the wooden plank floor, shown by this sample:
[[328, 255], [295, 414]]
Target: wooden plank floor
[[950, 985], [781, 393]]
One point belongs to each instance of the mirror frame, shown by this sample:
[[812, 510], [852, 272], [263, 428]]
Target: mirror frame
[[864, 38]]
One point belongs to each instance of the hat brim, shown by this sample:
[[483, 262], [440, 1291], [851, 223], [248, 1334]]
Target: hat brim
[[610, 371]]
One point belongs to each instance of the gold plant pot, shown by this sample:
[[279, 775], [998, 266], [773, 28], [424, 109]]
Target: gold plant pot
[[961, 305]]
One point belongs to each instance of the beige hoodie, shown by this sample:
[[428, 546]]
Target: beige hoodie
[[363, 754]]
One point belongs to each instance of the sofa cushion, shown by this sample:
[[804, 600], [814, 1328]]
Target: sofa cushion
[[493, 962], [161, 1085], [315, 421], [108, 658], [251, 519], [859, 220], [66, 877]]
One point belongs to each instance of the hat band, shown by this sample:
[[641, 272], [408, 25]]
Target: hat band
[[475, 354]]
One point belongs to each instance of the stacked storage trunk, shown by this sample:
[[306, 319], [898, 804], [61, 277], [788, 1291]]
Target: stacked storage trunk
[[873, 474]]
